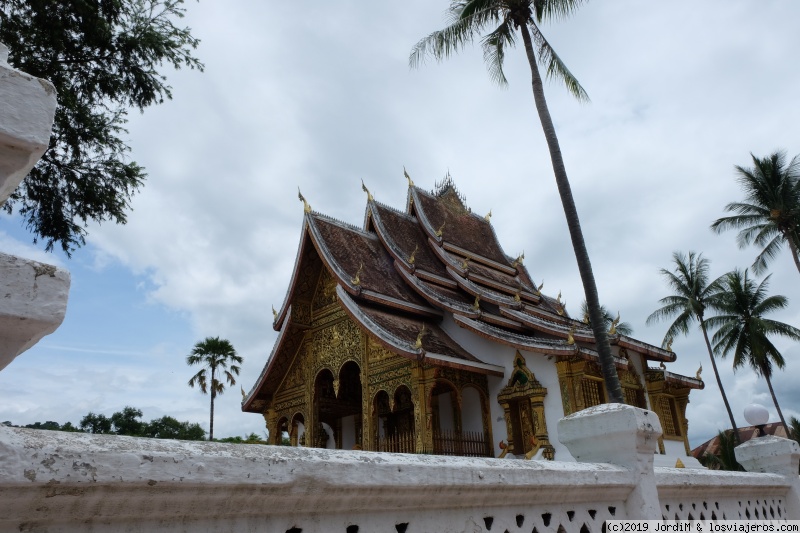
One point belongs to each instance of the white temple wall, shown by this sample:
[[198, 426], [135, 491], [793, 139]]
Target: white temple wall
[[471, 419], [543, 368], [348, 432]]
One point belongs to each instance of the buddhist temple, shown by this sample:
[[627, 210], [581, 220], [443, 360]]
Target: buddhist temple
[[417, 333]]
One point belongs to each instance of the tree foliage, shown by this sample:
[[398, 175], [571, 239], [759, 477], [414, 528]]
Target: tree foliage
[[214, 355], [103, 57], [725, 458], [770, 214], [623, 328], [168, 427], [744, 330], [126, 422], [93, 423]]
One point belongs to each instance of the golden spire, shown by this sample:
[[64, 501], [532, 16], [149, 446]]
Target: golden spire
[[476, 305], [369, 194], [465, 263], [539, 288], [274, 313], [614, 323], [669, 345], [570, 338], [488, 216], [410, 182], [518, 261], [357, 280], [306, 207], [413, 254], [516, 297], [558, 298], [699, 371], [439, 231], [418, 343]]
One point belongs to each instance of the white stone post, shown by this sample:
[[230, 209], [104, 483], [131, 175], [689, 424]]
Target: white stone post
[[33, 296], [622, 435], [776, 456]]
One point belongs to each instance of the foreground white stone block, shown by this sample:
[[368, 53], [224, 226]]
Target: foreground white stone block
[[27, 108], [33, 301]]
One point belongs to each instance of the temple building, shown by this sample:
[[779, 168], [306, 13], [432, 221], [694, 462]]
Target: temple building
[[417, 333]]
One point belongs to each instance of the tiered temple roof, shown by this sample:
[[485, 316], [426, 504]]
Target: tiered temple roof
[[398, 275]]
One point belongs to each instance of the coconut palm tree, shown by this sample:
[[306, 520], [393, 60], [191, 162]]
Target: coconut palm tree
[[623, 328], [743, 330], [770, 214], [219, 356], [692, 295], [500, 21]]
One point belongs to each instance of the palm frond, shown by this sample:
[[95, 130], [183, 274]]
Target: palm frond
[[554, 9], [494, 45], [556, 69]]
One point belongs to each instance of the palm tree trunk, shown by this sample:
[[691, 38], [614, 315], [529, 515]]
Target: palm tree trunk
[[613, 388], [795, 253], [719, 382], [775, 401], [213, 394]]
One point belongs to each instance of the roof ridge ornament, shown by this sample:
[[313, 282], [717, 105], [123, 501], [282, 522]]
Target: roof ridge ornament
[[369, 194], [418, 342], [614, 323], [668, 347], [306, 207], [357, 280], [438, 232], [520, 258], [465, 263], [410, 181], [274, 314], [539, 288], [488, 217], [699, 371], [570, 338], [476, 305], [412, 258]]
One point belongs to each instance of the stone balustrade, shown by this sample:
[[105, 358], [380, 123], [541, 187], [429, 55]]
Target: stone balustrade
[[53, 481]]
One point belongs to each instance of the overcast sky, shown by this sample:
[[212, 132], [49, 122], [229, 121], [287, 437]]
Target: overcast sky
[[321, 97]]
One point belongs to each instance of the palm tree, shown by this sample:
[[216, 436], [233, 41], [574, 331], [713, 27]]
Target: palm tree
[[743, 330], [770, 214], [501, 20], [219, 356], [692, 294], [725, 458], [623, 328]]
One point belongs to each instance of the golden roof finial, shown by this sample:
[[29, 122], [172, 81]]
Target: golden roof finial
[[518, 261], [558, 298], [539, 288], [413, 254], [465, 263], [699, 371], [441, 228], [669, 344], [369, 194], [274, 313], [586, 317], [357, 280], [516, 297], [570, 338], [614, 323], [306, 207], [410, 182], [243, 393], [418, 343], [488, 216], [561, 310], [476, 305]]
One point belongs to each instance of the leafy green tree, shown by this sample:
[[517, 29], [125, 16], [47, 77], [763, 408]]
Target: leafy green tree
[[92, 423], [49, 425], [692, 295], [623, 328], [126, 422], [67, 426], [218, 356], [743, 330], [168, 427], [725, 458], [770, 214], [103, 57], [794, 429], [500, 20]]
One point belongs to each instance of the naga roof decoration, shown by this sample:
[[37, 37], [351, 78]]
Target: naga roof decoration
[[402, 271]]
